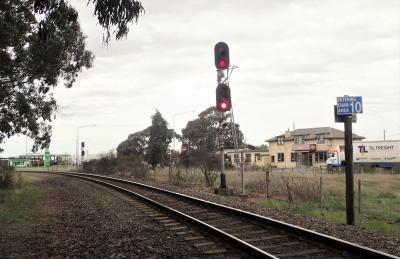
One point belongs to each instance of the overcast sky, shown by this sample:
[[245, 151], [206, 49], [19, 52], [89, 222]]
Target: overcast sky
[[294, 59]]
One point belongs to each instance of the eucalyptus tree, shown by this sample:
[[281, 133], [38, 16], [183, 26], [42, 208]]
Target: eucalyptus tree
[[42, 46]]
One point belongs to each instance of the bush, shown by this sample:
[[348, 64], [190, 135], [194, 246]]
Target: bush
[[6, 176], [132, 166], [129, 166]]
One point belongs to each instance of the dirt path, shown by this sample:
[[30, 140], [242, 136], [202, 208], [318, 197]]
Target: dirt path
[[71, 221]]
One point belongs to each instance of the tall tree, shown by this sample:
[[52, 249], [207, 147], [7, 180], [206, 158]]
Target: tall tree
[[135, 145], [36, 54], [159, 139], [201, 136]]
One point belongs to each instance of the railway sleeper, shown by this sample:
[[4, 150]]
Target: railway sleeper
[[251, 233], [280, 245], [203, 244], [265, 238], [194, 238], [306, 252]]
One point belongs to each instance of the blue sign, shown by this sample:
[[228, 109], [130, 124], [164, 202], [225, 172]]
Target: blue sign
[[348, 105]]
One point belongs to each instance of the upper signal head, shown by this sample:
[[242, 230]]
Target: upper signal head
[[221, 55]]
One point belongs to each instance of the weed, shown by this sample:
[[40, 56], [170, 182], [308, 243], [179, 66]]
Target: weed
[[16, 206]]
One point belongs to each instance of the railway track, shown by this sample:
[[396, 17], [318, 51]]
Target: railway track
[[250, 234]]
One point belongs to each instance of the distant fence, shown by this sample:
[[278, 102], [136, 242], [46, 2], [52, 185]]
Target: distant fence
[[324, 169]]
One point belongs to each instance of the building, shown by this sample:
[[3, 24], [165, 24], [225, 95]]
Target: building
[[307, 147], [252, 158]]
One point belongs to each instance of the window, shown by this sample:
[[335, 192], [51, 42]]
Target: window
[[248, 158], [281, 157], [298, 139], [320, 138], [293, 157], [236, 158], [320, 157], [257, 157], [272, 159], [279, 140]]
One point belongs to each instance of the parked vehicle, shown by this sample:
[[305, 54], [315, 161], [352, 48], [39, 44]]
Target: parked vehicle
[[368, 154]]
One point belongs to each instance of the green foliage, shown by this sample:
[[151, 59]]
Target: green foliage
[[135, 144], [115, 16], [201, 136], [125, 165], [6, 176], [132, 166], [263, 147], [105, 165], [16, 207], [159, 139], [38, 53]]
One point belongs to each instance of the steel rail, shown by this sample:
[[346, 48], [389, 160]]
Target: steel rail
[[241, 245], [334, 242]]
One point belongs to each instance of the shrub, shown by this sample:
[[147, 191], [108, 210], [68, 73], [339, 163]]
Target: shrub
[[105, 165], [6, 176], [132, 166]]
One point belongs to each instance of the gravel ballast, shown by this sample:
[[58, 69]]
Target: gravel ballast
[[354, 234], [75, 218]]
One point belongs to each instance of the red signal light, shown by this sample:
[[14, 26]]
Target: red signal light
[[222, 63], [223, 98], [221, 55], [223, 106]]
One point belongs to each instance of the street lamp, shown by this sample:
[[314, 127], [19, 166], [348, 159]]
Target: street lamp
[[77, 156]]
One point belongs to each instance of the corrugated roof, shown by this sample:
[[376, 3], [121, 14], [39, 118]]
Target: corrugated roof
[[311, 133]]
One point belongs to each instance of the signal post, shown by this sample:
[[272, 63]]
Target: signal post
[[223, 100]]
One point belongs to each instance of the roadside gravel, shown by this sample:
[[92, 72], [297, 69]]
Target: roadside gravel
[[72, 221], [354, 234]]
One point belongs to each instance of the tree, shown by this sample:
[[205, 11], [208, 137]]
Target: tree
[[263, 147], [36, 55], [159, 139], [135, 145], [201, 136]]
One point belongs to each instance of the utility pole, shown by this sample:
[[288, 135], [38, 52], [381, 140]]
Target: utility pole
[[384, 134]]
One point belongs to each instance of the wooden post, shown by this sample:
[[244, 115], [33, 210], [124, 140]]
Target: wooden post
[[348, 153], [359, 196], [242, 171], [169, 173], [267, 183], [320, 192]]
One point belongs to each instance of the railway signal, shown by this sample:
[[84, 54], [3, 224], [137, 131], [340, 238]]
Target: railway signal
[[223, 94], [221, 54]]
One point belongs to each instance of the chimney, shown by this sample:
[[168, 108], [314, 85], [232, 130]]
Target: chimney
[[287, 133]]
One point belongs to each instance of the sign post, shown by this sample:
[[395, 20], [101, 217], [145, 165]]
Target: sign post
[[345, 111], [348, 155]]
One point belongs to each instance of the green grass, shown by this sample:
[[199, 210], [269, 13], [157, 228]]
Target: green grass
[[383, 220], [41, 168], [16, 207]]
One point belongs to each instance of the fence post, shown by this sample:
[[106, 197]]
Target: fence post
[[267, 183], [359, 195], [169, 173], [242, 171], [320, 192]]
